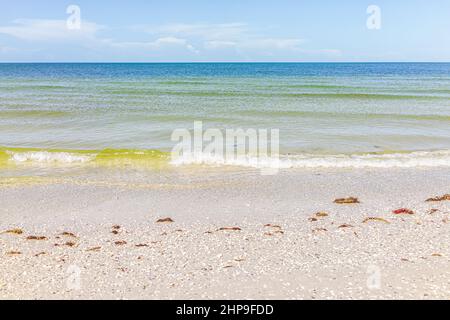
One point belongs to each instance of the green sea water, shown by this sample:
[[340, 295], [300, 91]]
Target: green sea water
[[125, 113]]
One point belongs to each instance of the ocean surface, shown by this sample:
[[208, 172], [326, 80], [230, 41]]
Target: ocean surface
[[328, 114]]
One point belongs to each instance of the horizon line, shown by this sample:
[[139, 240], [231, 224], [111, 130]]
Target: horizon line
[[204, 62]]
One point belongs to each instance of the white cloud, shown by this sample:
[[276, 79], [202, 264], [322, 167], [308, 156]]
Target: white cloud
[[4, 49], [219, 31], [272, 43], [223, 41], [236, 35], [217, 44], [49, 30], [158, 44]]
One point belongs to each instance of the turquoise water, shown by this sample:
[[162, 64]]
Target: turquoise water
[[319, 108]]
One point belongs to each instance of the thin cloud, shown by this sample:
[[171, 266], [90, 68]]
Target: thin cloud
[[49, 30], [222, 41], [160, 43], [221, 31]]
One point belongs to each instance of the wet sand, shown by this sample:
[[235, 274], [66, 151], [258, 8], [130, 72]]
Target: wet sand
[[233, 235]]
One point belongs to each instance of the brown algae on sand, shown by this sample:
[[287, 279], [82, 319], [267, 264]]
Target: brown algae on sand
[[40, 254], [13, 253], [229, 229], [349, 200], [165, 220], [38, 238], [13, 231], [95, 249], [445, 197], [275, 226], [275, 229], [369, 219], [317, 230], [70, 244], [68, 234], [321, 214]]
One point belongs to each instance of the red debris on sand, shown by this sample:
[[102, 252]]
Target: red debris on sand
[[403, 211]]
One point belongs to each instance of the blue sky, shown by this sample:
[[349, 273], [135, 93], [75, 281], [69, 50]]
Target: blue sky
[[232, 30]]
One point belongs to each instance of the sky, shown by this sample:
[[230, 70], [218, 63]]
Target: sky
[[224, 31]]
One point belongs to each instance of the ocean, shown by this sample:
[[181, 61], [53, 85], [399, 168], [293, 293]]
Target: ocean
[[328, 114]]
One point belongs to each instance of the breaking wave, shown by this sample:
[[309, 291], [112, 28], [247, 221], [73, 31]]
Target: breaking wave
[[392, 160], [138, 158]]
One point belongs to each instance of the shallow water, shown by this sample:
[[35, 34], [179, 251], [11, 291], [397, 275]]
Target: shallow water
[[328, 114]]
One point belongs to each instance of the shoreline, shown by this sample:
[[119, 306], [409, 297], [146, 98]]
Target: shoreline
[[273, 245]]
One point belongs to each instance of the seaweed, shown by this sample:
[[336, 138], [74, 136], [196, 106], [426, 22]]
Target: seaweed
[[13, 231], [229, 229], [345, 225], [120, 243], [141, 245], [321, 214], [68, 234], [165, 220], [349, 200], [445, 197], [269, 225], [13, 253], [94, 249], [375, 219], [39, 238], [436, 255]]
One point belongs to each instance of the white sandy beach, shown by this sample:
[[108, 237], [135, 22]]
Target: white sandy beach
[[296, 257]]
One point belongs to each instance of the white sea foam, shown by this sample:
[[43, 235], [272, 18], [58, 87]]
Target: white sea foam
[[394, 160], [49, 157]]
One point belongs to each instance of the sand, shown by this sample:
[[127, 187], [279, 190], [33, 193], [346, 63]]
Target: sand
[[102, 240]]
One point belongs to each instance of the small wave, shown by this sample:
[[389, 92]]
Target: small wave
[[395, 160], [49, 157], [345, 115], [107, 157], [156, 158]]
